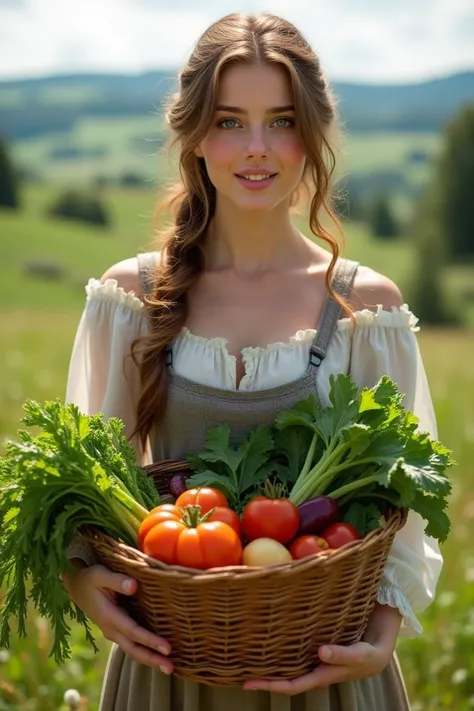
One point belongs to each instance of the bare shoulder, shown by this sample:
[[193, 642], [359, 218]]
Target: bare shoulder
[[126, 273], [371, 288]]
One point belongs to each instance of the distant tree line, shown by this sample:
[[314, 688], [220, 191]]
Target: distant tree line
[[443, 226]]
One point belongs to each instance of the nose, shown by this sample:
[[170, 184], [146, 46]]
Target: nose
[[257, 146]]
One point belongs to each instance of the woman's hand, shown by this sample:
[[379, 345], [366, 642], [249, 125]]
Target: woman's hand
[[339, 663], [95, 589]]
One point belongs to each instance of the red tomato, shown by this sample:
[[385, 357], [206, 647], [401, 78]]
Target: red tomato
[[228, 516], [270, 518], [204, 496], [338, 534], [211, 544], [307, 545], [165, 512], [164, 507]]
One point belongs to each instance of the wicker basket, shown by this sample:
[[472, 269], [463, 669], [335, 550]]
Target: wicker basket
[[229, 625]]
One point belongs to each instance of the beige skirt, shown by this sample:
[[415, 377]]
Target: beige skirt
[[129, 686]]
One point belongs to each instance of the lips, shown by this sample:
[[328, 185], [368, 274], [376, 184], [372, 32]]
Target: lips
[[256, 176]]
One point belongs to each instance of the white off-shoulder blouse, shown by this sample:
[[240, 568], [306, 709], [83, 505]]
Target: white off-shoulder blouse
[[101, 379]]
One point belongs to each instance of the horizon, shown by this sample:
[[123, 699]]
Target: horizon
[[170, 70]]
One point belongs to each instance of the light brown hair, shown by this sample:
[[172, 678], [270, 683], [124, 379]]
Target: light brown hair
[[236, 38]]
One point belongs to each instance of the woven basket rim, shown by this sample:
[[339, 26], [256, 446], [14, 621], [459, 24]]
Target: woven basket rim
[[135, 558]]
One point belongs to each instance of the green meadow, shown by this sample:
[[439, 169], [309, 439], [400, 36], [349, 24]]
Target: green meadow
[[38, 320]]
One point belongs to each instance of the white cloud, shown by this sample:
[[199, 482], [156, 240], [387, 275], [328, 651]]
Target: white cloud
[[367, 40]]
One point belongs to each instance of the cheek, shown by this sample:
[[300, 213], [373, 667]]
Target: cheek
[[291, 153], [219, 151]]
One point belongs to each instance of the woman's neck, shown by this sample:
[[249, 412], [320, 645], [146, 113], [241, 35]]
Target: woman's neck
[[251, 242]]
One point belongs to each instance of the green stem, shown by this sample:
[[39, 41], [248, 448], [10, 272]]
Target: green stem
[[317, 478], [138, 511], [130, 525], [309, 457], [274, 490], [307, 473], [357, 484], [331, 475]]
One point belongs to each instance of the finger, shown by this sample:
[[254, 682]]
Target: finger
[[143, 655], [105, 578], [351, 656], [317, 677], [119, 619]]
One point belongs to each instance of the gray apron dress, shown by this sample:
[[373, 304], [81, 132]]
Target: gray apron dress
[[191, 409]]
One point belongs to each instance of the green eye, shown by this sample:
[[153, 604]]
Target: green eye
[[225, 123], [284, 122]]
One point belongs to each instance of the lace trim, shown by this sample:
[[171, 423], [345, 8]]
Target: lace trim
[[217, 343], [301, 338], [398, 317], [390, 595], [111, 291]]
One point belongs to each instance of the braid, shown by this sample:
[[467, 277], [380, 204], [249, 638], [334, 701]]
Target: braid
[[181, 264]]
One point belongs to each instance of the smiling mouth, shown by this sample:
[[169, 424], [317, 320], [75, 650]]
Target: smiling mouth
[[256, 178]]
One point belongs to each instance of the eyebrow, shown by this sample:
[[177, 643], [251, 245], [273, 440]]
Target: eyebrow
[[237, 110]]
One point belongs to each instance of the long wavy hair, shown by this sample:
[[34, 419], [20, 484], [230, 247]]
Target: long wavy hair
[[236, 38]]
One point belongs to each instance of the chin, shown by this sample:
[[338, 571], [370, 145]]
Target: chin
[[257, 204]]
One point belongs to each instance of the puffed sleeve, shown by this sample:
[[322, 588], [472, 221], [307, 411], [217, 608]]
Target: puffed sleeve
[[102, 376], [385, 343]]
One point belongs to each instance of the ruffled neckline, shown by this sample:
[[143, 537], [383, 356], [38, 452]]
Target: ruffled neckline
[[398, 317]]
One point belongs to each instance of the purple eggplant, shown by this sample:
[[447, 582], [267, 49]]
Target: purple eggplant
[[177, 484], [316, 514]]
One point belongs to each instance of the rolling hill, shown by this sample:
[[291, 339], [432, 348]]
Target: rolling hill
[[35, 107]]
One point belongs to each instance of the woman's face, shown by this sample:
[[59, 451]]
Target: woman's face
[[252, 151]]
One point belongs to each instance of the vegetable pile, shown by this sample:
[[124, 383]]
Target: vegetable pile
[[363, 451], [320, 478]]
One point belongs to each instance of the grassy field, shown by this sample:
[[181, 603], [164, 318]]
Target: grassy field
[[39, 319]]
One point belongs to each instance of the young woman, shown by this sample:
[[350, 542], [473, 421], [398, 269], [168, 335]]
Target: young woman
[[239, 316]]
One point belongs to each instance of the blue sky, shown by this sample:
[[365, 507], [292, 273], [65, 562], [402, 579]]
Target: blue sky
[[363, 40]]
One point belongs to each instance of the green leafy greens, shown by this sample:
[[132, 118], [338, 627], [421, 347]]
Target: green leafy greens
[[365, 447], [78, 471], [236, 471], [363, 450]]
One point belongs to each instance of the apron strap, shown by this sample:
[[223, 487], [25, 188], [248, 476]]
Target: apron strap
[[341, 283]]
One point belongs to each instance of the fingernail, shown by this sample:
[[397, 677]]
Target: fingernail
[[165, 670], [163, 650], [326, 653], [127, 586]]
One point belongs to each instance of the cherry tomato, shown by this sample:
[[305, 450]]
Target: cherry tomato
[[307, 545], [270, 518], [165, 512], [204, 496], [211, 544], [228, 516], [338, 534]]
